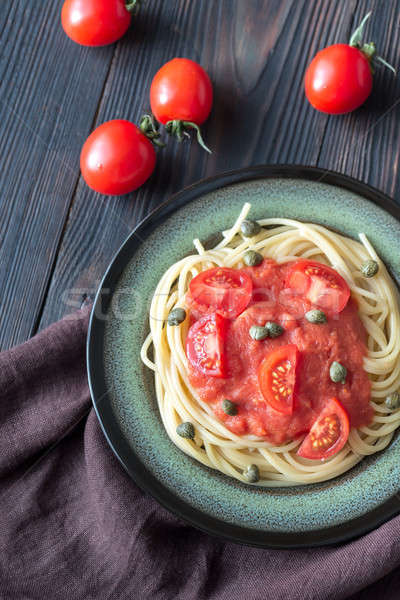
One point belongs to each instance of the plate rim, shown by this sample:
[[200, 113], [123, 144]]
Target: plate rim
[[130, 461]]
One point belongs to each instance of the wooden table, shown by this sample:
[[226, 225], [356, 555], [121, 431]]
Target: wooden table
[[57, 236]]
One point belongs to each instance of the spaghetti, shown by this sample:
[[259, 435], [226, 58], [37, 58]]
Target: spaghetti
[[216, 446]]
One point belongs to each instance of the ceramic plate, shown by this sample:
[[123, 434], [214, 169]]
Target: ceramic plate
[[123, 391]]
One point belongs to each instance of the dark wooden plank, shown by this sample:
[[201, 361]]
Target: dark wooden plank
[[365, 144], [256, 53], [49, 93]]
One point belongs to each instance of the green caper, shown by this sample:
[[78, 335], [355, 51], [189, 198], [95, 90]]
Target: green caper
[[252, 258], [230, 408], [316, 316], [176, 316], [258, 332], [369, 268], [250, 228], [186, 430], [393, 401], [337, 372], [274, 330], [252, 473]]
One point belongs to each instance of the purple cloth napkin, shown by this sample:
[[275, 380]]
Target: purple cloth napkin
[[74, 526]]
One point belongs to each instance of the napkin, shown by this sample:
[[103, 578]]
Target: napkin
[[73, 525]]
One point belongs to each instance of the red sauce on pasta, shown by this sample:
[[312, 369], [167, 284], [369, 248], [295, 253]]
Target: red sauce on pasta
[[275, 298]]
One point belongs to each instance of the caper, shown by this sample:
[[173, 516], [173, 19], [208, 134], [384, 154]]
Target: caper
[[252, 258], [230, 408], [316, 316], [186, 430], [176, 316], [252, 473], [369, 268], [274, 330], [250, 228], [337, 372], [393, 401], [258, 332]]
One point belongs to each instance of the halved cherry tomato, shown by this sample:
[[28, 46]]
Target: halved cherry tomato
[[205, 345], [117, 158], [227, 291], [328, 434], [95, 22], [277, 378], [321, 285]]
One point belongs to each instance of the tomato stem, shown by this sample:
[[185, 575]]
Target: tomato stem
[[178, 128], [369, 49], [356, 37], [385, 63], [133, 6], [149, 128]]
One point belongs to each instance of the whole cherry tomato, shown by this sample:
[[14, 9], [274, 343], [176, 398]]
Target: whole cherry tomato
[[181, 90], [339, 78], [181, 97], [117, 158], [95, 22]]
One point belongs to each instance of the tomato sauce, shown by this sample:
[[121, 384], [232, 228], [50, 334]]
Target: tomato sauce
[[342, 338]]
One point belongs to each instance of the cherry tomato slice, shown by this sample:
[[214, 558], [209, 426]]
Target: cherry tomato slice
[[320, 284], [227, 291], [328, 434], [95, 22], [277, 378], [205, 345]]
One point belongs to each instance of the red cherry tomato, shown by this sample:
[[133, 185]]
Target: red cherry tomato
[[321, 285], [205, 345], [181, 90], [328, 434], [95, 22], [227, 291], [277, 378], [117, 158], [338, 80]]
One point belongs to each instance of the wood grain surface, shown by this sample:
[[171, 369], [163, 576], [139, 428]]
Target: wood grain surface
[[57, 236]]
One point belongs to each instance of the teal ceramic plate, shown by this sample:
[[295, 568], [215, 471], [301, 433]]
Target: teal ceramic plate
[[122, 388]]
